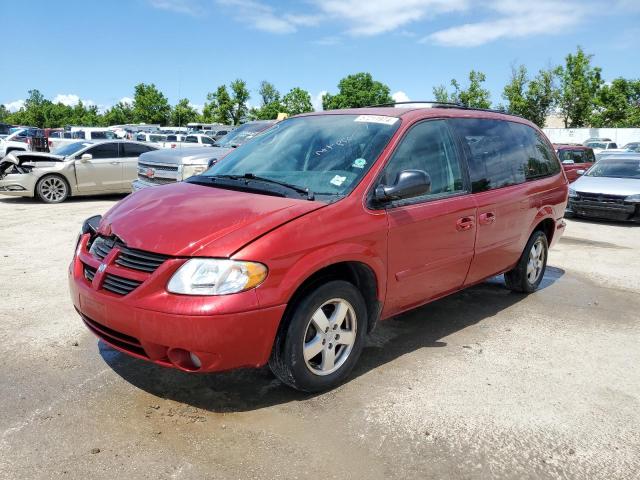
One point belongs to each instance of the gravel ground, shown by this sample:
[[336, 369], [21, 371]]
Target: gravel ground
[[482, 384]]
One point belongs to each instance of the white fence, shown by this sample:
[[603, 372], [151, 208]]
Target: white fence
[[621, 136]]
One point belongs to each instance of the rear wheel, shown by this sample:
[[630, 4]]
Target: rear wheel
[[52, 189], [322, 339], [528, 272]]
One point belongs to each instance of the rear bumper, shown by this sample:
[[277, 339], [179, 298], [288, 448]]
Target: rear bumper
[[220, 341], [605, 211]]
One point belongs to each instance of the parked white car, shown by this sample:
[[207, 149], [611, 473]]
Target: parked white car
[[81, 133], [18, 141], [600, 146]]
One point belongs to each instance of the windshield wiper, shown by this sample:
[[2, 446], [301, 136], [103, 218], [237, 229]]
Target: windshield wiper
[[251, 176]]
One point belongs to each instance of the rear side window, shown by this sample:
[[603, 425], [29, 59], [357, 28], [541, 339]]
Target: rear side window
[[495, 160], [504, 153], [428, 146], [577, 156], [207, 141], [141, 137], [191, 139], [133, 150]]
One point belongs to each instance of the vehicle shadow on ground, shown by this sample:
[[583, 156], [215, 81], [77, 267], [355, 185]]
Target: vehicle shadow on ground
[[32, 201], [601, 221], [251, 389]]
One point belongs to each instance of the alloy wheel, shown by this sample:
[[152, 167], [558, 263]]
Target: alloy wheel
[[536, 261], [53, 189], [330, 337]]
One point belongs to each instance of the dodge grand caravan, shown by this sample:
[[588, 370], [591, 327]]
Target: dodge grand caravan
[[291, 249]]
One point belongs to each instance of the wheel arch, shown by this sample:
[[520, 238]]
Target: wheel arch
[[544, 222]]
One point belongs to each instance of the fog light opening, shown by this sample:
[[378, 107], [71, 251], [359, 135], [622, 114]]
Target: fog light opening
[[184, 359]]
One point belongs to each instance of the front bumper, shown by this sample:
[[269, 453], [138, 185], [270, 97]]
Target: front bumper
[[604, 210], [18, 184], [140, 184], [163, 328]]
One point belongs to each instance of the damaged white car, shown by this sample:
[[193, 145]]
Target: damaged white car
[[80, 168]]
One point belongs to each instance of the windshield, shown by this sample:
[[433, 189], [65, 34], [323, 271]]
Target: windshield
[[326, 154], [596, 145], [241, 135], [632, 146], [70, 148], [616, 168]]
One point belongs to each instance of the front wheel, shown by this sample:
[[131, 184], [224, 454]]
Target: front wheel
[[528, 272], [322, 338], [52, 189]]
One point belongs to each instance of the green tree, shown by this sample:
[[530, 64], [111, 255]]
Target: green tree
[[532, 99], [150, 105], [270, 102], [120, 114], [218, 106], [4, 114], [618, 104], [579, 86], [473, 96], [239, 97], [297, 101], [358, 90], [183, 113]]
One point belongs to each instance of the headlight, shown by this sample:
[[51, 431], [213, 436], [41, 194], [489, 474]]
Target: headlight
[[633, 198], [572, 193], [210, 276], [191, 170]]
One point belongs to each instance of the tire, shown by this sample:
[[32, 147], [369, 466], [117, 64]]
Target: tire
[[52, 189], [529, 271], [339, 307]]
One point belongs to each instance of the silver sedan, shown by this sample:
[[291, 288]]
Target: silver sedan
[[609, 190], [81, 168]]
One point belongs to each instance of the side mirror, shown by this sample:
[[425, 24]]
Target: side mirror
[[408, 184], [568, 162], [580, 172], [86, 157]]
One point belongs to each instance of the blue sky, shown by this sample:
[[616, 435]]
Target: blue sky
[[97, 51]]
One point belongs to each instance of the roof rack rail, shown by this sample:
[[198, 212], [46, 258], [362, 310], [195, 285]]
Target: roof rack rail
[[433, 103]]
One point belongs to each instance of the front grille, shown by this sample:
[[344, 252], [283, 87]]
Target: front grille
[[115, 338], [601, 198], [119, 285], [157, 180], [128, 257], [89, 272], [164, 168], [140, 260]]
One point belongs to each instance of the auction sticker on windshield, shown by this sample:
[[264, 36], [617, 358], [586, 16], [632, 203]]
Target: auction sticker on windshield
[[376, 119]]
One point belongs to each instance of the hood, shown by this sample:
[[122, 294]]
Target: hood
[[607, 186], [32, 159], [186, 156], [184, 219]]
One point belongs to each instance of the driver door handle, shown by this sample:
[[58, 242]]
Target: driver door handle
[[464, 223], [115, 163]]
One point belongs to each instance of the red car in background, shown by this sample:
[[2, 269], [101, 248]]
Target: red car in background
[[290, 250], [574, 158]]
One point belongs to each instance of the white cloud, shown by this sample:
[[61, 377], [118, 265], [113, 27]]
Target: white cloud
[[265, 18], [317, 100], [517, 19], [197, 107], [126, 101], [14, 106], [372, 17], [68, 99], [186, 7], [400, 96]]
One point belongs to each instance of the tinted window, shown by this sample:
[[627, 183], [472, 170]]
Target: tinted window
[[191, 139], [429, 146], [133, 149], [172, 138], [577, 156], [207, 141], [141, 137], [495, 160], [105, 150], [539, 160]]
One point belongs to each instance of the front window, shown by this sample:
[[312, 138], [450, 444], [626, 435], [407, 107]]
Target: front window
[[615, 168], [324, 154], [242, 134], [70, 149]]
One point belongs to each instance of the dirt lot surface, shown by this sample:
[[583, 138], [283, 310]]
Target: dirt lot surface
[[483, 384]]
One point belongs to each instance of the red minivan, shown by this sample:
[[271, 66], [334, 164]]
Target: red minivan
[[291, 249], [575, 158]]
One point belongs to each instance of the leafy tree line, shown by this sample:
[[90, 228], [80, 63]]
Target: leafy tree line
[[574, 90]]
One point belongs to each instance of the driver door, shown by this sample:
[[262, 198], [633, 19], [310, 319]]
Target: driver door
[[103, 172]]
